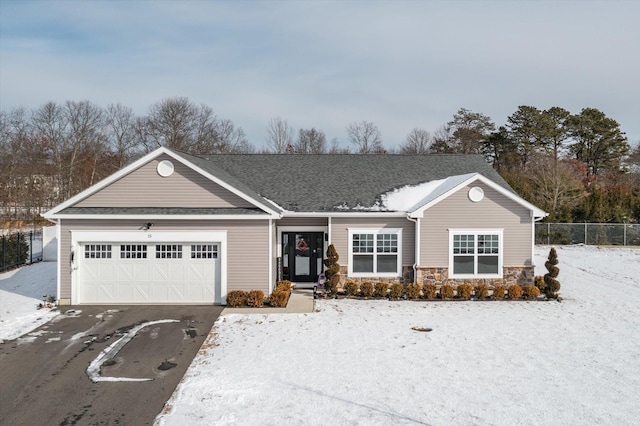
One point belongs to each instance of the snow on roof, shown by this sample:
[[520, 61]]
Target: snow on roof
[[404, 198]]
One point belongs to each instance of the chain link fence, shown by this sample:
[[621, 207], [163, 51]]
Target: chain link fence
[[617, 234], [19, 248]]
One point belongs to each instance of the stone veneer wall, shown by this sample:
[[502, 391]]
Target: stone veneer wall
[[406, 278], [521, 275]]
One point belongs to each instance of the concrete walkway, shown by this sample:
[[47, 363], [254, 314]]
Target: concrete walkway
[[300, 302]]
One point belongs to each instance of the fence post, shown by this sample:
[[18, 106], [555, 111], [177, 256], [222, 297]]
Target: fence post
[[4, 252], [585, 233], [548, 233], [624, 234], [31, 246]]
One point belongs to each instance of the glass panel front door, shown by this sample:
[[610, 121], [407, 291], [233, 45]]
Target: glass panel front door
[[302, 254]]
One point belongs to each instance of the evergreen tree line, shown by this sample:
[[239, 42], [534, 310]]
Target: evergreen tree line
[[578, 167]]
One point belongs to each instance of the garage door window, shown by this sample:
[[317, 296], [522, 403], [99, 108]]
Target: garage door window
[[204, 251], [97, 251], [133, 251], [168, 251]]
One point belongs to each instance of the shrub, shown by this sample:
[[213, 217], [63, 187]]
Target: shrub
[[539, 282], [429, 291], [396, 291], [413, 291], [481, 291], [464, 291], [446, 292], [15, 249], [380, 289], [514, 291], [552, 285], [366, 289], [279, 299], [350, 288], [255, 298], [236, 298], [530, 292], [332, 272], [498, 292], [283, 285]]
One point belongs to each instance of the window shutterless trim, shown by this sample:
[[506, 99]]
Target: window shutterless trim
[[381, 247], [476, 232]]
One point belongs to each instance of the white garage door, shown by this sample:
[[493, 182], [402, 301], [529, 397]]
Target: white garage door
[[131, 272]]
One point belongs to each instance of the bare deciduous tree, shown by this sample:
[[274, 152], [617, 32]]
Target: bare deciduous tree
[[311, 141], [121, 132], [365, 136], [418, 142], [279, 135]]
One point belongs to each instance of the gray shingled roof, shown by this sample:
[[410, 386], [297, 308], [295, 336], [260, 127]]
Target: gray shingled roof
[[161, 210], [322, 183]]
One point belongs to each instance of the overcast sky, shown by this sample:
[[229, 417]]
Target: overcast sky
[[325, 64]]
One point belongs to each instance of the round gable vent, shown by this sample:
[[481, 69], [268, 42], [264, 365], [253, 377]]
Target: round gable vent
[[165, 168], [476, 194]]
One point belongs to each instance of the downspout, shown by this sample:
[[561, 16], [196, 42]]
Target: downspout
[[416, 249]]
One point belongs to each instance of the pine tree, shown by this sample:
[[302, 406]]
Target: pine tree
[[332, 273], [552, 285]]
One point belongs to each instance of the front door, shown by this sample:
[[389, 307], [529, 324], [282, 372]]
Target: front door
[[302, 254]]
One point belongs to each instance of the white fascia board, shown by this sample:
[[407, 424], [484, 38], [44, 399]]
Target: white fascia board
[[163, 217], [139, 163], [345, 214], [536, 212]]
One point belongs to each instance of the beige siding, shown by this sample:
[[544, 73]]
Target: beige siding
[[340, 234], [145, 188], [247, 240], [494, 211]]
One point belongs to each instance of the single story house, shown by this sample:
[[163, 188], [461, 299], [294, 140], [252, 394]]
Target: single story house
[[178, 228]]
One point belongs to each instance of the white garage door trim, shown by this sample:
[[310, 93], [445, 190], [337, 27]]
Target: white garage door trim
[[78, 238]]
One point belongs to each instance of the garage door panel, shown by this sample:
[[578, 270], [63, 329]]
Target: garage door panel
[[168, 277]]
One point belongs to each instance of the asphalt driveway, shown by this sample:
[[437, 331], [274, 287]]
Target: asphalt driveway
[[44, 373]]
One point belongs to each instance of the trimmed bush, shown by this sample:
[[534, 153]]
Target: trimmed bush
[[465, 291], [366, 289], [413, 291], [236, 298], [255, 298], [396, 291], [530, 292], [284, 285], [552, 285], [481, 291], [350, 288], [429, 291], [498, 292], [279, 299], [514, 291], [380, 289], [446, 292], [332, 271], [538, 280]]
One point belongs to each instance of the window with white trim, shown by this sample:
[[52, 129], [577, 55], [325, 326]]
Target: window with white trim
[[375, 252], [168, 251], [475, 253], [133, 251], [204, 251], [97, 251]]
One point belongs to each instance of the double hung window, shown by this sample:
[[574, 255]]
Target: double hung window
[[375, 252], [475, 253]]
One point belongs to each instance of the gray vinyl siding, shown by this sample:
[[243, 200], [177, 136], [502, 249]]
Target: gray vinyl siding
[[340, 234], [247, 240], [144, 187], [302, 221], [495, 211]]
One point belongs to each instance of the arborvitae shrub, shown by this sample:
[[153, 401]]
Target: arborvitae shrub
[[552, 285], [236, 298], [366, 289], [413, 291], [255, 298], [538, 280], [429, 291], [350, 288], [446, 292], [465, 291], [284, 285], [481, 291], [380, 289], [396, 291], [279, 299], [530, 292], [514, 291], [498, 292], [332, 271]]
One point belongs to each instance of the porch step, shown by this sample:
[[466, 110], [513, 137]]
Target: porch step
[[300, 302]]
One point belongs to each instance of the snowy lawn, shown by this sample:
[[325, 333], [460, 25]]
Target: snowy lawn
[[21, 291], [499, 363]]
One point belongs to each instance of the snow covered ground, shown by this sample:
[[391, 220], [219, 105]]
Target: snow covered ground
[[499, 363], [21, 290]]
